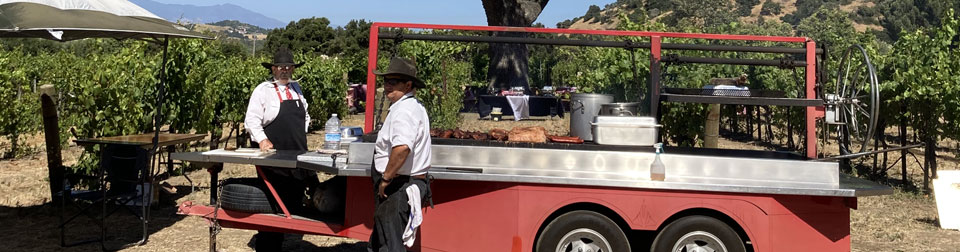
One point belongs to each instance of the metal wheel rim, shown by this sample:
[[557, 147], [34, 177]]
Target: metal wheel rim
[[583, 240], [699, 241], [859, 105]]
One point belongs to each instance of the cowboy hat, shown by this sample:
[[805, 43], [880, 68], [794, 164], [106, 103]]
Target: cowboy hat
[[405, 67], [283, 57]]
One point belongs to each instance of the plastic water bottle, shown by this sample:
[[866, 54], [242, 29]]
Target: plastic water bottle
[[657, 169], [331, 140]]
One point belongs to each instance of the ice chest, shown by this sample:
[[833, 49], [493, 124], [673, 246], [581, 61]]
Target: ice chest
[[625, 130]]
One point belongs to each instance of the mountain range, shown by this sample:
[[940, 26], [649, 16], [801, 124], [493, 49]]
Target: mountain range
[[208, 14]]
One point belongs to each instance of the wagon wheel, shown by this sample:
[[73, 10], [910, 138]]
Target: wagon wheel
[[857, 99]]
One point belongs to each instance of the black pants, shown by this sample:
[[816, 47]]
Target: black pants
[[290, 184], [392, 213]]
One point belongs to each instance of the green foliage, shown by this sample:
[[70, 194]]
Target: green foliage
[[745, 7], [926, 71], [229, 82], [20, 115], [324, 86], [443, 67], [805, 8], [566, 23], [905, 16], [701, 14], [593, 14], [770, 8], [305, 35], [185, 87], [351, 45], [833, 28], [107, 96]]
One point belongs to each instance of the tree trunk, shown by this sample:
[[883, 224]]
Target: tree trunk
[[711, 129], [509, 65], [242, 136], [214, 136]]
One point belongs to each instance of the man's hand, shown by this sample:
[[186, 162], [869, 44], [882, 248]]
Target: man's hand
[[266, 145], [398, 155], [383, 188]]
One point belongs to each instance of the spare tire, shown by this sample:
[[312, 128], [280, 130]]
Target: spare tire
[[245, 195]]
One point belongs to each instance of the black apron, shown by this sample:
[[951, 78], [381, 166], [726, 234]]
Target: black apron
[[390, 214], [286, 132]]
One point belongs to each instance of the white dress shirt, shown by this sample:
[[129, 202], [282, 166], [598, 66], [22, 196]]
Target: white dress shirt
[[406, 124], [265, 105]]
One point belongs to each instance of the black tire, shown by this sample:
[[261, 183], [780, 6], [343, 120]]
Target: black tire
[[698, 230], [245, 195], [587, 229]]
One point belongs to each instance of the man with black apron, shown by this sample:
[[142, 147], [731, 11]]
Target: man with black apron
[[277, 119], [402, 156]]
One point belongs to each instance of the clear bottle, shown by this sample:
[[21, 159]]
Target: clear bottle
[[331, 138], [657, 169]]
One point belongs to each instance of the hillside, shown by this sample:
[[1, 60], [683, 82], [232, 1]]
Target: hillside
[[885, 18], [235, 29]]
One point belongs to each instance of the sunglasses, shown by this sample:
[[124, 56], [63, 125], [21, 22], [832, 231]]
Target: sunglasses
[[285, 67], [394, 81]]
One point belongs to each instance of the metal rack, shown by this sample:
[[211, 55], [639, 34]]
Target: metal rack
[[805, 57]]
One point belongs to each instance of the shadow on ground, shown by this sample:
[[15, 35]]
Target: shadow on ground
[[36, 228]]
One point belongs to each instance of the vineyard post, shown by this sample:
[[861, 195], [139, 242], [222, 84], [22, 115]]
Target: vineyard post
[[903, 142], [51, 133]]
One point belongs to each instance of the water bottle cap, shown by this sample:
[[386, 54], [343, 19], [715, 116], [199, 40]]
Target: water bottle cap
[[334, 115]]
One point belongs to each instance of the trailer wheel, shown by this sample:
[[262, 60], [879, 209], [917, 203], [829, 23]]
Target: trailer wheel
[[698, 233], [582, 231], [245, 195]]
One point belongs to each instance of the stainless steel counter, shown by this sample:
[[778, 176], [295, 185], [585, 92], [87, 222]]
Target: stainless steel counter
[[848, 186], [597, 168]]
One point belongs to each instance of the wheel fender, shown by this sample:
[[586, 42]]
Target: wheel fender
[[745, 214], [558, 208]]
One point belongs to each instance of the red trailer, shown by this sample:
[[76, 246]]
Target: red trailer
[[505, 196]]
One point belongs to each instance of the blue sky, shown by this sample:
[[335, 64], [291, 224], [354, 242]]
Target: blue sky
[[465, 12]]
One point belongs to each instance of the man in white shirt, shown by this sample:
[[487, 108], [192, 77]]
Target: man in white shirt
[[277, 118], [402, 157]]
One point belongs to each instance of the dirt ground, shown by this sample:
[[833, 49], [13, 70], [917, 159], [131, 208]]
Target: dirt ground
[[903, 221]]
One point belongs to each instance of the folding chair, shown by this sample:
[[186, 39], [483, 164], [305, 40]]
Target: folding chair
[[122, 170]]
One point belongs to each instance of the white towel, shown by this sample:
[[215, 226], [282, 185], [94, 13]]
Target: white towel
[[520, 106], [416, 216], [725, 90]]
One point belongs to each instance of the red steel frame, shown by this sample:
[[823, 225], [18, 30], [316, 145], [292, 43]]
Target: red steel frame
[[507, 216], [812, 113]]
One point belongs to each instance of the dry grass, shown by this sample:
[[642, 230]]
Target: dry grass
[[903, 221]]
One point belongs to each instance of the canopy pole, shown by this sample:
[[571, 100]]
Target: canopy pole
[[157, 118]]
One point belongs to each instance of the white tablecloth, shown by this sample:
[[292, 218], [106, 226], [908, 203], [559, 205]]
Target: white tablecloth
[[520, 105]]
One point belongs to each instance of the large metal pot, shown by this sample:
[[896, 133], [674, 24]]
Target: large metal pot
[[583, 108], [620, 109]]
